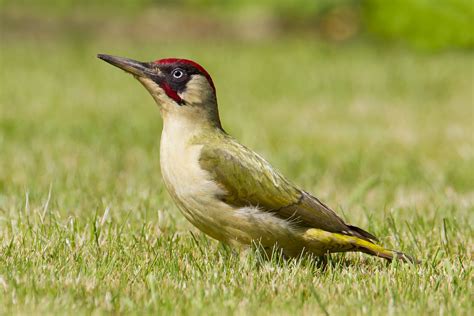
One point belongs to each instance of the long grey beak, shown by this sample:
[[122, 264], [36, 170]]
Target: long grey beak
[[136, 68]]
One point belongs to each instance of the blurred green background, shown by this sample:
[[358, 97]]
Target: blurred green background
[[368, 104], [422, 24]]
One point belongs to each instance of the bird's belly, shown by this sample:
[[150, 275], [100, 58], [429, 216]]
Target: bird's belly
[[245, 225]]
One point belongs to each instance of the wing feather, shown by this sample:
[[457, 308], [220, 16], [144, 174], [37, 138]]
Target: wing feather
[[249, 180]]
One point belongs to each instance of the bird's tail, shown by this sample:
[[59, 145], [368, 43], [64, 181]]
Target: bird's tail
[[336, 242], [379, 251]]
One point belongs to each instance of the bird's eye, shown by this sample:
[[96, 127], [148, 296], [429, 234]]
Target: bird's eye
[[177, 73]]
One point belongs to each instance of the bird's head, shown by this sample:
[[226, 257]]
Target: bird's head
[[181, 87]]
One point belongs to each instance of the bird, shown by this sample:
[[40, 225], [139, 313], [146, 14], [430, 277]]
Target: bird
[[225, 189]]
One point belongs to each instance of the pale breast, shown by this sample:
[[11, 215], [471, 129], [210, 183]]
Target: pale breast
[[183, 176], [188, 184]]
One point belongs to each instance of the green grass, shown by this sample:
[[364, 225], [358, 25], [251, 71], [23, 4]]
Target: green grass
[[86, 226]]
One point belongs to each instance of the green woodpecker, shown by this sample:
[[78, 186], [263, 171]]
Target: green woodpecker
[[225, 189]]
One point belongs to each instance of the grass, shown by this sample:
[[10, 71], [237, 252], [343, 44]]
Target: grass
[[382, 135]]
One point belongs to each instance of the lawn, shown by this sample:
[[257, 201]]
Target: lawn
[[383, 135]]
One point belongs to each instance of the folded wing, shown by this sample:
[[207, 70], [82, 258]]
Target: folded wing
[[249, 180]]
